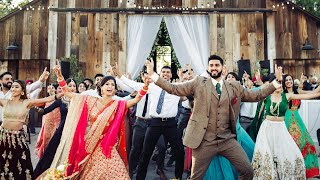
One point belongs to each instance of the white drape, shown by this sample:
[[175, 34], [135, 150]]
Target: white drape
[[142, 31], [190, 39]]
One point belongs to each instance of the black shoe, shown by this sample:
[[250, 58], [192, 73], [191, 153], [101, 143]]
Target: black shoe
[[170, 162], [161, 174]]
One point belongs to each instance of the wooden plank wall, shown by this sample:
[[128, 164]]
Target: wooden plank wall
[[99, 39], [29, 30], [233, 36]]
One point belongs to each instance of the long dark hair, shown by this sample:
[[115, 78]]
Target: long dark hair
[[103, 81], [23, 87], [234, 75], [285, 90]]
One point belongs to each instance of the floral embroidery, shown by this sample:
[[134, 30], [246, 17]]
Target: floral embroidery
[[4, 154], [19, 167], [24, 156], [10, 155], [13, 141], [28, 176], [6, 169]]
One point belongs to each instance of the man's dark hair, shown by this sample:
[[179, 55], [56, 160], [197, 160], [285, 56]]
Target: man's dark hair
[[215, 57], [98, 75], [166, 67], [88, 79], [5, 73]]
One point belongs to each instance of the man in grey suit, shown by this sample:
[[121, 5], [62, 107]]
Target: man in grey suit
[[211, 129]]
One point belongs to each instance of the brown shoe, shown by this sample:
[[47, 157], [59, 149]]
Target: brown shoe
[[162, 174]]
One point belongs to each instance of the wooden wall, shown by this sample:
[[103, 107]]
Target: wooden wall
[[29, 29], [99, 39]]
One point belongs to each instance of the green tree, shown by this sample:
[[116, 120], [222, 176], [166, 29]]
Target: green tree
[[75, 68], [5, 7], [312, 6]]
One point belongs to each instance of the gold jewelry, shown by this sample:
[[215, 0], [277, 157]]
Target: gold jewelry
[[273, 109], [22, 93]]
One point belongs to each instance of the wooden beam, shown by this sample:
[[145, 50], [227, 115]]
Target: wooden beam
[[271, 39], [160, 10]]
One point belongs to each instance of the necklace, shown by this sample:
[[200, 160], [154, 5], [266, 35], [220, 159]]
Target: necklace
[[275, 108]]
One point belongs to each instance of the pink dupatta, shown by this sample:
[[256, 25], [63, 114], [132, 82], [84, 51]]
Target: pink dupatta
[[78, 153]]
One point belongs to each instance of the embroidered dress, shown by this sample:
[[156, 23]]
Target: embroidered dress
[[93, 140], [50, 122], [276, 155], [301, 136], [15, 160]]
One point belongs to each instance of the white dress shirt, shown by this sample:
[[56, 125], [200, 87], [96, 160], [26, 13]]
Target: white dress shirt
[[170, 103], [135, 86]]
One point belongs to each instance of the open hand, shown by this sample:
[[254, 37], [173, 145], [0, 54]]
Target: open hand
[[150, 65]]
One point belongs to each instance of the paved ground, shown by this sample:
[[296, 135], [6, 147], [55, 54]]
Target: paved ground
[[151, 175]]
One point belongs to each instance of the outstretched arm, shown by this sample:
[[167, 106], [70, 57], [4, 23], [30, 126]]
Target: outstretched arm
[[139, 96], [302, 96], [179, 89], [34, 102]]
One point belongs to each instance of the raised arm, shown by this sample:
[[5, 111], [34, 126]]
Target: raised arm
[[32, 87], [179, 89], [138, 97], [62, 82]]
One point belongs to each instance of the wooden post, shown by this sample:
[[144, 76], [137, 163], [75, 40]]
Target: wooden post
[[213, 33], [71, 4], [122, 42], [271, 39], [52, 33]]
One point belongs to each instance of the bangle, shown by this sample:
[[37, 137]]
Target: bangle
[[62, 83], [142, 92]]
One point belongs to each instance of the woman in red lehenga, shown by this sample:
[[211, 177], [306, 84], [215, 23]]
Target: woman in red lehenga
[[93, 145], [50, 123]]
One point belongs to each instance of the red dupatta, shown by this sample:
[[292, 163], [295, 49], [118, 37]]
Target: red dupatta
[[78, 153]]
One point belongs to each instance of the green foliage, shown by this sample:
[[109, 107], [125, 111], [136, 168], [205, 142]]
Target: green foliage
[[163, 39], [313, 6], [75, 68], [7, 6]]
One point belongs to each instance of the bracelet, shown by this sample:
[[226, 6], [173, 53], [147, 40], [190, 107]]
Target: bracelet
[[142, 92], [62, 83], [145, 88]]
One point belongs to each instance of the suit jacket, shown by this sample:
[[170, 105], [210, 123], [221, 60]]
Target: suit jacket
[[203, 90]]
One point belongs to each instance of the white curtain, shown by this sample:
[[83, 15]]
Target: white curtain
[[142, 31], [190, 39]]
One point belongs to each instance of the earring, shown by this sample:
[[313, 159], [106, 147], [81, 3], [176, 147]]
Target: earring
[[22, 93]]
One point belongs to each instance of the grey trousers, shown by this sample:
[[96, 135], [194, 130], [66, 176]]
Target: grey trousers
[[230, 149]]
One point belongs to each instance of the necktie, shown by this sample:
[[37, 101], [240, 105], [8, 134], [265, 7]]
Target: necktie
[[145, 106], [218, 89], [160, 102]]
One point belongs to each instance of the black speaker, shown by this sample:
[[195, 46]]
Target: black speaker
[[65, 69], [244, 65]]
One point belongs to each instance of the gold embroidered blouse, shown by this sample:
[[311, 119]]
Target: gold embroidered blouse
[[15, 112]]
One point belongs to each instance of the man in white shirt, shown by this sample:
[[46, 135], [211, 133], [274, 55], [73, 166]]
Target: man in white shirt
[[163, 110], [7, 81]]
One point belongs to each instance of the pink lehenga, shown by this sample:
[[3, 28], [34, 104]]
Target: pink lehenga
[[50, 123], [93, 144]]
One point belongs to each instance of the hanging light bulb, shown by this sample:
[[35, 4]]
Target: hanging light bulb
[[273, 6], [292, 8]]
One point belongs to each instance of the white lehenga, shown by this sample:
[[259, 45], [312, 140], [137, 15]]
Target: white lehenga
[[276, 155]]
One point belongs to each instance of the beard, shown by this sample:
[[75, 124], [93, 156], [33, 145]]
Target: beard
[[215, 76], [7, 85]]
